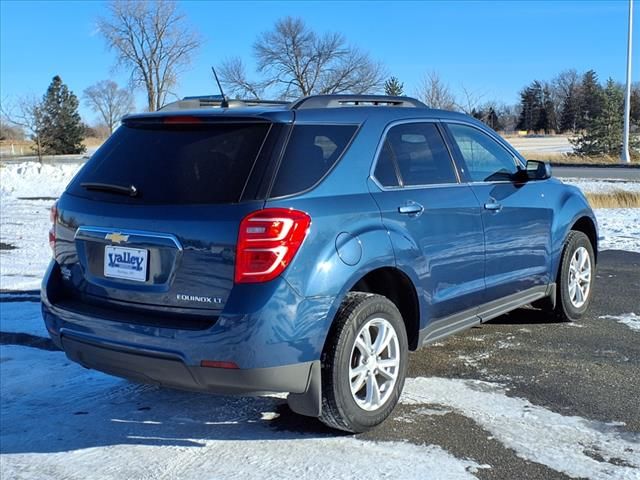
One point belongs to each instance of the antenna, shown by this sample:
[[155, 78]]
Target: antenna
[[225, 103]]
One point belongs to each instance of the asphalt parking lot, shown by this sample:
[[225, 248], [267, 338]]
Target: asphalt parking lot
[[521, 397], [589, 369]]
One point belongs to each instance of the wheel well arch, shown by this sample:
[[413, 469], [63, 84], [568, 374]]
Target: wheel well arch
[[587, 226], [395, 285]]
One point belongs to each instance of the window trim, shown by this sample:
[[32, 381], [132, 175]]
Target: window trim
[[517, 160], [401, 183]]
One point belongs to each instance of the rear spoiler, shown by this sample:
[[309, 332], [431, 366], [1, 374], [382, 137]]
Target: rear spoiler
[[215, 101]]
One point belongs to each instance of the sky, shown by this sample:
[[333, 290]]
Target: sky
[[492, 49]]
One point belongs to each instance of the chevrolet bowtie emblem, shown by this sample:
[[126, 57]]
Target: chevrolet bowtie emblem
[[116, 237]]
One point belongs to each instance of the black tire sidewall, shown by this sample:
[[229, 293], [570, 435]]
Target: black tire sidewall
[[358, 419], [566, 309]]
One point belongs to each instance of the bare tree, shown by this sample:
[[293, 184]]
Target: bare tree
[[109, 101], [295, 61], [234, 77], [153, 40], [435, 92], [470, 100], [27, 113]]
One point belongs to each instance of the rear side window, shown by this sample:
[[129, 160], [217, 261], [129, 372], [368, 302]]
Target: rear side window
[[311, 152], [420, 154], [175, 163], [386, 169]]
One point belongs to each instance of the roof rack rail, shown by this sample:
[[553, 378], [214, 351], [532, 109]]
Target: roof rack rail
[[334, 101], [213, 101]]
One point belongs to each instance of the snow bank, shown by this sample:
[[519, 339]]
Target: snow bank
[[27, 191], [569, 444], [63, 421], [30, 179]]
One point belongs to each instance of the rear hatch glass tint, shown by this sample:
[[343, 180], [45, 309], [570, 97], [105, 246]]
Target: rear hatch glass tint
[[208, 163]]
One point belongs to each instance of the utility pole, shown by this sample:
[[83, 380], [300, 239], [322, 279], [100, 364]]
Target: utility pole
[[624, 155]]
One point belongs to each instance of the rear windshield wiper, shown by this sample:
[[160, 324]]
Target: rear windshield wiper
[[130, 190]]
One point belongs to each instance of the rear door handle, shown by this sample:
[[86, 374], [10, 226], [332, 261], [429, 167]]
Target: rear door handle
[[492, 205], [411, 208]]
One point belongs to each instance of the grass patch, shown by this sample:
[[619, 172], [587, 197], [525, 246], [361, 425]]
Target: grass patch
[[571, 159], [615, 199]]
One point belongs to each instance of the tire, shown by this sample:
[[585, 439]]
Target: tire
[[343, 360], [567, 308]]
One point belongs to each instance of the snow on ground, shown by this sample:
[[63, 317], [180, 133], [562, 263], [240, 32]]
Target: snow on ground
[[62, 421], [572, 445], [619, 228], [100, 426], [27, 191], [588, 185], [22, 317], [631, 320]]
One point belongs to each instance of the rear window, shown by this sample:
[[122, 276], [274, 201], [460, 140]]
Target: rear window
[[175, 163], [311, 152]]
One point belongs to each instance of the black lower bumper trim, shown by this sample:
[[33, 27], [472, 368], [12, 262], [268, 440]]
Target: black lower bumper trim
[[172, 372]]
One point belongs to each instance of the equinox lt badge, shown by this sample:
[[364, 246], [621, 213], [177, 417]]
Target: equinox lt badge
[[197, 298]]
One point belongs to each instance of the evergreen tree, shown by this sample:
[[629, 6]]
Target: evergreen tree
[[547, 120], [635, 104], [394, 87], [591, 99], [532, 107], [603, 133], [62, 131], [488, 115], [492, 119], [570, 110]]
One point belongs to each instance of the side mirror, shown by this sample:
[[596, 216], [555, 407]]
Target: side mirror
[[537, 170]]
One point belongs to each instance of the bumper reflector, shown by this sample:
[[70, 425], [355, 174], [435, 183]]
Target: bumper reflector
[[216, 364]]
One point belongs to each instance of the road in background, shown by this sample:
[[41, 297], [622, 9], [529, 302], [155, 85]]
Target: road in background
[[628, 174], [541, 144]]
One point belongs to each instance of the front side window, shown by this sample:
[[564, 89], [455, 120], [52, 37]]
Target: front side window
[[417, 154], [486, 159]]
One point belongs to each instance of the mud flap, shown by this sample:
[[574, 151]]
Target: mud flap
[[309, 403]]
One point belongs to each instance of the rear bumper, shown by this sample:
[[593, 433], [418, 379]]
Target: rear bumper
[[276, 346], [170, 371]]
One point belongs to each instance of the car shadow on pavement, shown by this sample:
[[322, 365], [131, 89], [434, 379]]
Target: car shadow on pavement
[[526, 316], [131, 414]]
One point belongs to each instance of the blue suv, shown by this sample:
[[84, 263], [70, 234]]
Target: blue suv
[[304, 248]]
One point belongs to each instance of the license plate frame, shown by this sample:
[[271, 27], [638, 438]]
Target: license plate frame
[[126, 263]]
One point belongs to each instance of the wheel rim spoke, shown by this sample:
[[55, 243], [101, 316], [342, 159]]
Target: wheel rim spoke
[[366, 338], [362, 346], [373, 390], [382, 341], [358, 383], [385, 373]]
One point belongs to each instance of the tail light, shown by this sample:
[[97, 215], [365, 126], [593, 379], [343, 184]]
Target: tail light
[[53, 217], [267, 242]]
